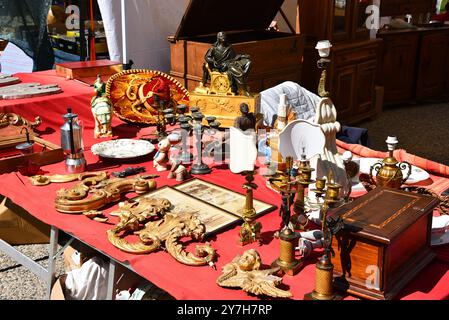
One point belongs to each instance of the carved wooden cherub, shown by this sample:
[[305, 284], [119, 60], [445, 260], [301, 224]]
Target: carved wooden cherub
[[244, 272], [101, 110]]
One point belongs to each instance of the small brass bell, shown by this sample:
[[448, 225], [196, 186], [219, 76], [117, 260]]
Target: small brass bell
[[389, 171]]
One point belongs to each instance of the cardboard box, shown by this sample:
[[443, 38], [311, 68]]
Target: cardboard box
[[57, 292], [18, 227]]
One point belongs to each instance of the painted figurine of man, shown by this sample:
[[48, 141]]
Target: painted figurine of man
[[101, 110]]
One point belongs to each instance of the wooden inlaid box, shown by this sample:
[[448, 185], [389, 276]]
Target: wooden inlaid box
[[276, 56], [385, 242]]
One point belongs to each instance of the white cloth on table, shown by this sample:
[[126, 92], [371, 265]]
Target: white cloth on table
[[303, 101]]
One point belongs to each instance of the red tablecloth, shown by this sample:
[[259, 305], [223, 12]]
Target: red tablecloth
[[181, 281]]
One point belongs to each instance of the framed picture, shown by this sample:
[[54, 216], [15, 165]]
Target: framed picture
[[212, 217], [223, 198]]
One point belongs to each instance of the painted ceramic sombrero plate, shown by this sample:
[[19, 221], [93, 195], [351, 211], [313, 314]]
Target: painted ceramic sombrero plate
[[132, 94]]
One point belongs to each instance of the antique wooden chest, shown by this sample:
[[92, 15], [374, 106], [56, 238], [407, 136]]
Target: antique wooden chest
[[276, 56], [384, 244]]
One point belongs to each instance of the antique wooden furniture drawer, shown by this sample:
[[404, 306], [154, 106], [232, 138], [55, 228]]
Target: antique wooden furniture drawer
[[276, 56], [346, 57], [385, 242]]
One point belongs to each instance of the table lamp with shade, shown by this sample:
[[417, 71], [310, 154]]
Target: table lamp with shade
[[243, 155]]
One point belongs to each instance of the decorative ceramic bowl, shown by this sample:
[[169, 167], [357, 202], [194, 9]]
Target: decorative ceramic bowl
[[123, 149]]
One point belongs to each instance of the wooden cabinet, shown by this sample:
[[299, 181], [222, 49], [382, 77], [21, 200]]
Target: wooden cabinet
[[433, 71], [353, 79], [398, 67], [354, 57], [398, 7], [344, 88], [414, 64]]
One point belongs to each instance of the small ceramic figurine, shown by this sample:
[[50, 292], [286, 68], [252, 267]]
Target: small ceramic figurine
[[101, 110], [161, 157], [177, 170]]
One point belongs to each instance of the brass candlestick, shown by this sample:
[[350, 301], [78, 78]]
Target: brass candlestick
[[161, 126], [287, 262], [324, 267], [320, 186], [250, 230], [303, 181]]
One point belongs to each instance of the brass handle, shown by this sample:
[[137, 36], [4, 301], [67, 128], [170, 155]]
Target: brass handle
[[404, 165], [377, 167]]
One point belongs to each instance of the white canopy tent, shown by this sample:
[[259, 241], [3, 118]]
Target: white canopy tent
[[148, 24]]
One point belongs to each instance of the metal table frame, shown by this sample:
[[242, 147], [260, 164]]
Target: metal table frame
[[48, 275]]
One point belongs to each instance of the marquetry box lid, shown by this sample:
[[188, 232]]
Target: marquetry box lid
[[384, 244]]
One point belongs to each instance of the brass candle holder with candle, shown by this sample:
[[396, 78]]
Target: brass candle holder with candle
[[324, 267], [250, 230], [288, 238], [304, 179]]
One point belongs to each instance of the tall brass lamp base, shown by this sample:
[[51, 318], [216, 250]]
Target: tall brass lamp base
[[287, 262], [323, 282]]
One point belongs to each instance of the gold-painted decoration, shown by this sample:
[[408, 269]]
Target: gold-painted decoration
[[96, 216], [389, 171], [168, 231], [88, 195], [245, 272], [225, 108], [88, 177], [12, 119], [250, 230], [132, 93]]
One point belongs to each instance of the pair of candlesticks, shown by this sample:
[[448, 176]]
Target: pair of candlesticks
[[188, 124], [326, 190]]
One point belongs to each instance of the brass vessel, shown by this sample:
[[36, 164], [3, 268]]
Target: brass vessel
[[389, 171]]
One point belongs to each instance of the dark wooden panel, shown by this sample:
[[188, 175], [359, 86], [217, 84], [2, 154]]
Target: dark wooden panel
[[343, 90], [404, 247], [353, 257], [366, 81], [433, 67], [399, 67]]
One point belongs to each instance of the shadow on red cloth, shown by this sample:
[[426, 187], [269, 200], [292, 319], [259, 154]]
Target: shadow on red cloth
[[48, 130], [125, 131], [101, 166], [425, 281]]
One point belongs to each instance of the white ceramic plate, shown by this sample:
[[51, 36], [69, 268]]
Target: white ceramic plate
[[123, 149], [417, 175]]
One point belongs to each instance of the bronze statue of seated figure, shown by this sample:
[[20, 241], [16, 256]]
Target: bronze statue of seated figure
[[226, 70]]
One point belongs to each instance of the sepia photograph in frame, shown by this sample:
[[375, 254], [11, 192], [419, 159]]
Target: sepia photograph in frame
[[223, 198], [212, 217]]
